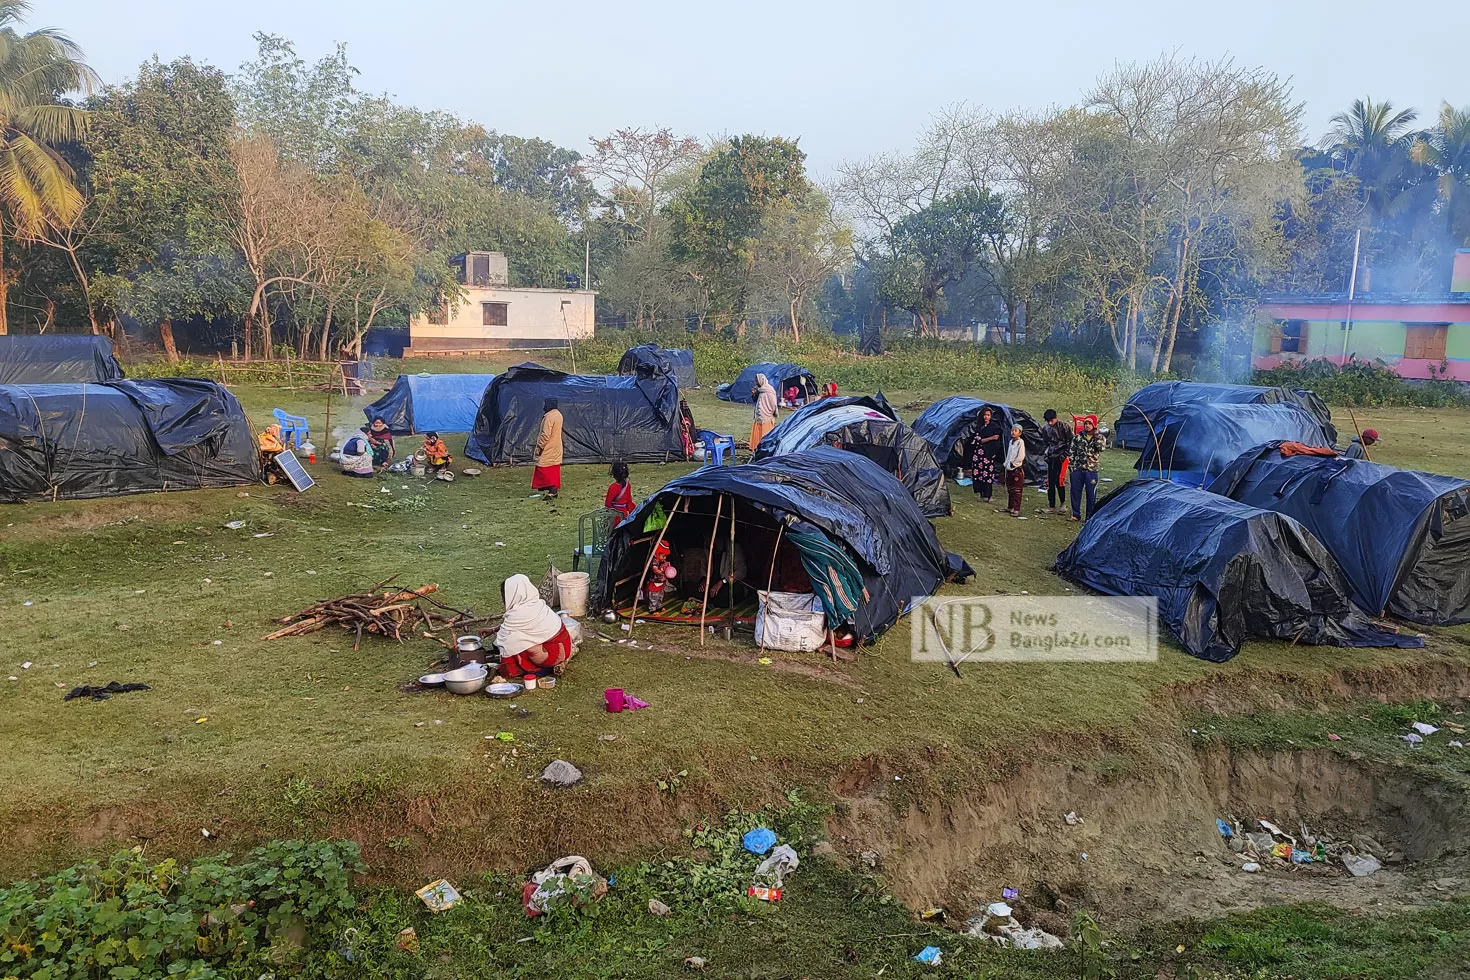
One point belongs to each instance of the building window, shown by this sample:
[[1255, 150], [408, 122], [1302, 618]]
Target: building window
[[1426, 340], [495, 314], [1291, 337], [480, 271]]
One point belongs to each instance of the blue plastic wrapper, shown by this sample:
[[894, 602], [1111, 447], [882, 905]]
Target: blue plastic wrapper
[[759, 840], [929, 956], [1225, 830]]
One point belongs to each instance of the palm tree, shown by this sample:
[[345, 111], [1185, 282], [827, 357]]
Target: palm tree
[[36, 184], [1446, 148], [1369, 126]]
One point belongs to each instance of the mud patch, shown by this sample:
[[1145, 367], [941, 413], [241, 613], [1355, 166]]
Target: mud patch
[[1147, 847]]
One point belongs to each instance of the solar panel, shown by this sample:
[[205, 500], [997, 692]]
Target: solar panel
[[295, 472]]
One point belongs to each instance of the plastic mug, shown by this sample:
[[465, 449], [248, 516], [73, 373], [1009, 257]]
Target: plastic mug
[[615, 699], [529, 682]]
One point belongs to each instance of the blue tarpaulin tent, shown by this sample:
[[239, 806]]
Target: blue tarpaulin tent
[[1402, 537], [949, 423], [49, 359], [1223, 571], [1148, 404], [431, 403], [837, 499], [867, 425], [1196, 440], [604, 418], [647, 359], [781, 376]]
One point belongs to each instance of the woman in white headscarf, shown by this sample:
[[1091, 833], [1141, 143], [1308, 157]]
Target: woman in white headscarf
[[765, 410], [532, 638]]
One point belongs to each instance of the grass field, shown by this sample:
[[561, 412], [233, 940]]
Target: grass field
[[299, 737]]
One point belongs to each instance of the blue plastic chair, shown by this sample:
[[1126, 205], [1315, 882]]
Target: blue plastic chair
[[716, 447], [293, 427]]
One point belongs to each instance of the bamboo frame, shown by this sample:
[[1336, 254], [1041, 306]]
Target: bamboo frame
[[709, 561], [648, 563], [771, 578]]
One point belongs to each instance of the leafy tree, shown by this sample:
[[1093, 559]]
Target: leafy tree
[[935, 247], [801, 246], [36, 182], [1446, 149], [716, 225]]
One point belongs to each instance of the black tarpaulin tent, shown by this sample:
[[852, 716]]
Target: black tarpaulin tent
[[1132, 430], [646, 360], [431, 403], [867, 425], [781, 376], [846, 527], [605, 418], [71, 441], [51, 359], [1223, 572], [1402, 537], [1196, 440], [948, 424]]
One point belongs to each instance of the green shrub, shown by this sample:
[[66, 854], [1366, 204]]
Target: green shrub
[[1370, 384], [130, 919]]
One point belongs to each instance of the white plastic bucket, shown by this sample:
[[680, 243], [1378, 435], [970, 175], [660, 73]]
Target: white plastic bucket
[[573, 587]]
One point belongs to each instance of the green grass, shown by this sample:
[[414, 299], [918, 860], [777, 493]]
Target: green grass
[[304, 735]]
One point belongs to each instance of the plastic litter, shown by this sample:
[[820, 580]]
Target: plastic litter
[[764, 893], [439, 896], [235, 525], [1412, 739], [929, 956], [1250, 867], [696, 962], [1224, 828], [658, 908], [1010, 894], [774, 869], [559, 883], [759, 840], [407, 940], [1361, 865], [1423, 728], [1072, 819]]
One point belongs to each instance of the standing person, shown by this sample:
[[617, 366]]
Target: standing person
[[1015, 466], [985, 454], [1057, 438], [687, 429], [1086, 452], [547, 474], [765, 410], [620, 493], [1357, 449], [380, 441]]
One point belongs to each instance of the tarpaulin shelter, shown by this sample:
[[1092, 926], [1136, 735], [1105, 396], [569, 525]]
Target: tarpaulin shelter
[[1402, 537], [1147, 405], [1223, 571], [431, 403], [50, 359], [71, 441], [948, 424], [1194, 441], [646, 360], [824, 521], [867, 425], [605, 418], [781, 376]]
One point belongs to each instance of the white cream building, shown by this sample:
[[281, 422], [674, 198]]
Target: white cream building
[[491, 315]]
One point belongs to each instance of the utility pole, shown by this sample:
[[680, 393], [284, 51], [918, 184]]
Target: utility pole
[[1347, 326], [587, 275]]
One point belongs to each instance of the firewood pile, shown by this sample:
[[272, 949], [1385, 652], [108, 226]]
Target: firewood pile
[[394, 613]]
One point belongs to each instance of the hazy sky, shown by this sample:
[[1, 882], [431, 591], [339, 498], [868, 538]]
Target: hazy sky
[[850, 79]]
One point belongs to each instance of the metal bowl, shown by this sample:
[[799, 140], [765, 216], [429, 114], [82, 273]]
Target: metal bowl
[[467, 680], [505, 689], [431, 680]]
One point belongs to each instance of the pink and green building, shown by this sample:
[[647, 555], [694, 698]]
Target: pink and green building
[[1418, 336]]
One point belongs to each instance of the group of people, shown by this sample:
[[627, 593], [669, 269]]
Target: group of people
[[999, 456], [368, 452]]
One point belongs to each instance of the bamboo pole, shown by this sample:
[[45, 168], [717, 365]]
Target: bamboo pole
[[1360, 436], [633, 616], [770, 579], [730, 582], [709, 564], [327, 429]]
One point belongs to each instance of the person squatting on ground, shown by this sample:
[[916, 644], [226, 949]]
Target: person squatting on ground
[[380, 441], [270, 445], [1085, 454], [984, 453], [356, 458], [1057, 440], [436, 454], [532, 638], [547, 474], [1015, 466]]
